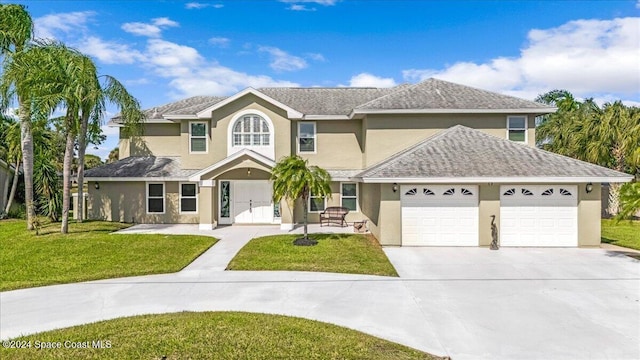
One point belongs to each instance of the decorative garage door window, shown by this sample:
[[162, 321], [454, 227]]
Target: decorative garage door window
[[526, 192], [411, 192], [565, 192], [509, 192], [225, 199], [466, 192], [428, 192], [547, 192], [450, 192]]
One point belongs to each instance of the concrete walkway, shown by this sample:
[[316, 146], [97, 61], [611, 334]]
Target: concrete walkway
[[466, 303]]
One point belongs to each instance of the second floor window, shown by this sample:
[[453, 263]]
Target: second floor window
[[251, 130], [517, 128], [198, 137], [307, 137]]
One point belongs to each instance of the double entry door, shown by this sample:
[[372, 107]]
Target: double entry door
[[246, 202]]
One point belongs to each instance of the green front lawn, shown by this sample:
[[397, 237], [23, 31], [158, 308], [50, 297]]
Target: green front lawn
[[341, 253], [624, 233], [88, 252], [213, 335]]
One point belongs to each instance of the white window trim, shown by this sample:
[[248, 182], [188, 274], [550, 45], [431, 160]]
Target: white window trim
[[188, 197], [265, 150], [164, 198], [206, 137], [309, 204], [315, 137], [526, 128], [357, 197]]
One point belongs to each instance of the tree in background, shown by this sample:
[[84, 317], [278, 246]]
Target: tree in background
[[91, 161], [293, 178], [607, 136], [114, 155], [16, 31]]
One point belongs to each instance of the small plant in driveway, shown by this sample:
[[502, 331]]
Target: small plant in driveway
[[293, 178]]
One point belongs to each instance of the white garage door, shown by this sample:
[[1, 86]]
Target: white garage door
[[539, 215], [439, 215]]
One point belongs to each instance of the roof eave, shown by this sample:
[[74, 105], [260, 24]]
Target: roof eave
[[455, 111], [145, 179], [499, 180]]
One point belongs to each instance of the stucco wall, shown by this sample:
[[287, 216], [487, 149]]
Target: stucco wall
[[339, 144], [334, 200], [156, 139], [489, 204], [589, 232], [126, 202], [387, 135]]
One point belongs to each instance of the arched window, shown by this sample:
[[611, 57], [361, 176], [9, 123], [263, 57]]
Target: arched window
[[251, 130]]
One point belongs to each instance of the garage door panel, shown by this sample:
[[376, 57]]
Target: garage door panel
[[538, 215], [431, 218]]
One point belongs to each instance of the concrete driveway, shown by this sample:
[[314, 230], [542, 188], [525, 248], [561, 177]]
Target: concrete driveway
[[467, 303], [520, 303]]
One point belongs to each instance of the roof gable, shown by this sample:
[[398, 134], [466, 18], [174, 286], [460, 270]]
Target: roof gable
[[291, 112], [470, 155]]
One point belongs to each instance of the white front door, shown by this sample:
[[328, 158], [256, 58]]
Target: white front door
[[251, 202]]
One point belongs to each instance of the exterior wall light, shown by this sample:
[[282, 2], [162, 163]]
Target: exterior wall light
[[589, 188], [395, 187], [248, 171], [97, 185]]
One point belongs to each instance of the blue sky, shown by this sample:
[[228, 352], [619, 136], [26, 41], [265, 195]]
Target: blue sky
[[168, 50]]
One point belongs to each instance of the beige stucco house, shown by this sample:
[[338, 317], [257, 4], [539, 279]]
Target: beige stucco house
[[432, 163]]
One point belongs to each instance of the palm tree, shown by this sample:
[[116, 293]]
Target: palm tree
[[92, 112], [629, 200], [293, 178], [16, 31], [10, 150], [608, 137]]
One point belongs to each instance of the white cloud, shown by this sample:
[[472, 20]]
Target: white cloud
[[198, 6], [319, 2], [190, 74], [150, 30], [586, 57], [134, 82], [638, 4], [219, 41], [369, 80], [298, 7], [283, 61], [46, 26], [109, 52], [315, 56]]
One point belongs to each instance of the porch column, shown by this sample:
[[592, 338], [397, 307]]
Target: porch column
[[205, 205]]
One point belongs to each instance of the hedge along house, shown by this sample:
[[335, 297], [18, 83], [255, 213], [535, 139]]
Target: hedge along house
[[427, 164]]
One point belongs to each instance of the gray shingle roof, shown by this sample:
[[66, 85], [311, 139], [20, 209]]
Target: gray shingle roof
[[426, 95], [141, 167], [439, 94], [463, 152], [327, 101]]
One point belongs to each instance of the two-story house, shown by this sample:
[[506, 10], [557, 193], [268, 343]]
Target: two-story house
[[432, 163]]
